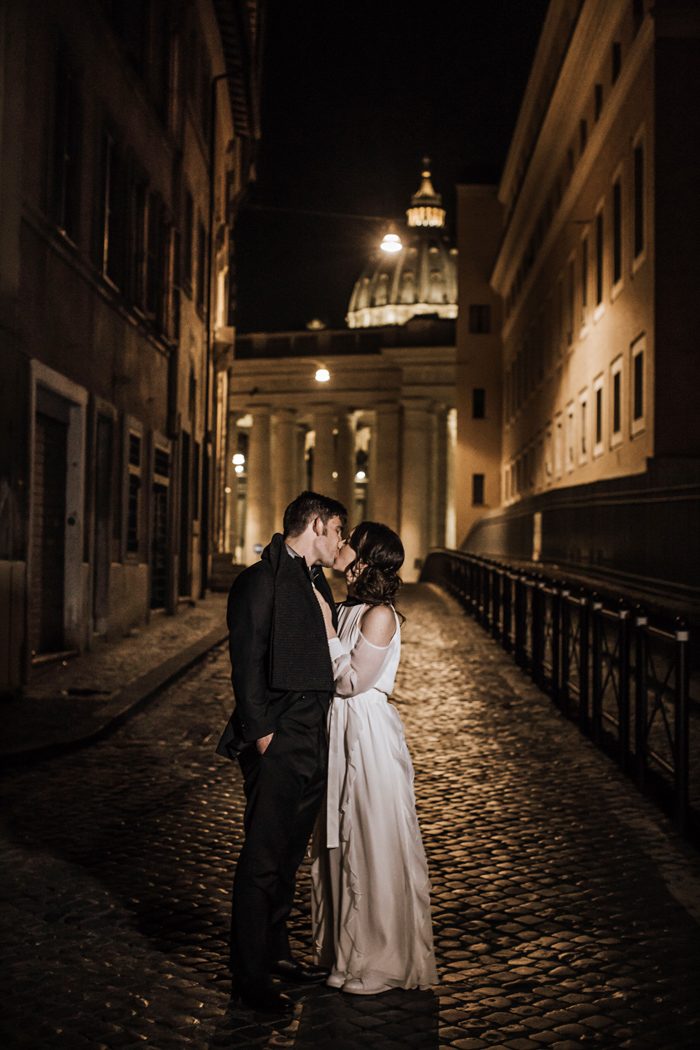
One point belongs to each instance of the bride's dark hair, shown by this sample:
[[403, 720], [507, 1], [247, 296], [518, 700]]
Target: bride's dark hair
[[381, 550]]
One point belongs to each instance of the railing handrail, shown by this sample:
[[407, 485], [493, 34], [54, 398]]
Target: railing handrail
[[603, 659]]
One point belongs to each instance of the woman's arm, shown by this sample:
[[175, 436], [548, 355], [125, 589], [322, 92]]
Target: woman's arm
[[359, 670]]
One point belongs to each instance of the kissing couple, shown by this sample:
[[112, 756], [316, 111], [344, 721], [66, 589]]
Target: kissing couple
[[322, 750]]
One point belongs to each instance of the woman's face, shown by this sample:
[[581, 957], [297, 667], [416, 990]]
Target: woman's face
[[345, 557]]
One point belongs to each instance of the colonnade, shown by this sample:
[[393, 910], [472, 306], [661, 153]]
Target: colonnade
[[407, 476]]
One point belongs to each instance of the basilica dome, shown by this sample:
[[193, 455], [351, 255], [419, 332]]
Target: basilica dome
[[418, 280]]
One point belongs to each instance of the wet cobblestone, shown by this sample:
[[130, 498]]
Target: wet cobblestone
[[565, 909]]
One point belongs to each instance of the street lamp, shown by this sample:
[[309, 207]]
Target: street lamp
[[391, 242], [322, 375]]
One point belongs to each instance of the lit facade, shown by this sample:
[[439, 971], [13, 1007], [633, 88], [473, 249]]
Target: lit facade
[[379, 434], [593, 462], [116, 328]]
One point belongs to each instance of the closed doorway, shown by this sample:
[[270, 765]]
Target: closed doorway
[[48, 539]]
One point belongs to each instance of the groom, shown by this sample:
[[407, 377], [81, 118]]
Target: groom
[[282, 683]]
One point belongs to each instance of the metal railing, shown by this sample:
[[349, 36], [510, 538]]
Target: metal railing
[[621, 677]]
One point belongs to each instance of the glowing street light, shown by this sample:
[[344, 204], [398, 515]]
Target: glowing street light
[[322, 375], [238, 459], [391, 242], [360, 475]]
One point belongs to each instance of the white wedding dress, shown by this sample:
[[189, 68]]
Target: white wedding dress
[[370, 885]]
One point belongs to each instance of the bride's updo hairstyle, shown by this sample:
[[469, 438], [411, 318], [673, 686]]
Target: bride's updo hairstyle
[[381, 550]]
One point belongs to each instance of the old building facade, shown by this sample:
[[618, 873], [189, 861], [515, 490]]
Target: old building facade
[[127, 133], [367, 413], [378, 433], [588, 446]]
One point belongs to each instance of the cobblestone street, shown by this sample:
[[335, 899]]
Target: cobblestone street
[[566, 912]]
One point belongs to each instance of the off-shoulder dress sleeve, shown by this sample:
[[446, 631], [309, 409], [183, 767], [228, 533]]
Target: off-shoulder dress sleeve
[[359, 670]]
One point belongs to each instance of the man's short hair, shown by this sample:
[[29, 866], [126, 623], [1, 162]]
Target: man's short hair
[[310, 505]]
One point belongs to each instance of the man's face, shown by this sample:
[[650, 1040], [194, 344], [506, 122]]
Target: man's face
[[328, 539]]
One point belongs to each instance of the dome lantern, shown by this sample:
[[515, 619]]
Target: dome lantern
[[426, 205]]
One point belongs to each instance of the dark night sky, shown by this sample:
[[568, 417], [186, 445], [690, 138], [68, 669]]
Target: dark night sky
[[353, 95]]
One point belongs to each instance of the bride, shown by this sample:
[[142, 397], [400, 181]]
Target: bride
[[370, 886]]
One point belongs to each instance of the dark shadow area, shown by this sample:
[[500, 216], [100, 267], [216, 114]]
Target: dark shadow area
[[325, 1019]]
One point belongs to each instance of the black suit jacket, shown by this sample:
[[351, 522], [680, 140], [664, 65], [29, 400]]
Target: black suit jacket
[[278, 647]]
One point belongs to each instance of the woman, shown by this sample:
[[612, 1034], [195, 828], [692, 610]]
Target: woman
[[370, 887]]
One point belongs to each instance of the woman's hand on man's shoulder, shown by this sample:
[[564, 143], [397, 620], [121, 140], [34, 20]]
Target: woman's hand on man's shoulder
[[379, 624]]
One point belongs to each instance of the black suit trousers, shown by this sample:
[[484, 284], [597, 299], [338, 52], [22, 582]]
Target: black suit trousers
[[284, 788]]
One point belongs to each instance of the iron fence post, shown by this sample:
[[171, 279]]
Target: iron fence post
[[624, 687], [538, 600], [496, 583], [583, 658], [519, 621], [641, 699], [681, 726], [507, 636], [597, 697], [556, 644]]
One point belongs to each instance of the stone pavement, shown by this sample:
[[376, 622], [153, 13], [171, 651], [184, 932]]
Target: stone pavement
[[566, 911], [77, 699]]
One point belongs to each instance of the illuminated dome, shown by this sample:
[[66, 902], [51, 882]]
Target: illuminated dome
[[420, 279]]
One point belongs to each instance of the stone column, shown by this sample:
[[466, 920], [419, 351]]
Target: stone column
[[259, 524], [324, 450], [415, 484], [301, 479], [439, 479], [450, 511], [385, 466], [284, 472], [345, 463]]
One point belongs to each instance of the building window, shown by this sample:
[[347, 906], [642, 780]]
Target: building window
[[582, 135], [597, 101], [583, 427], [478, 490], [638, 391], [478, 403], [584, 276], [133, 512], [570, 299], [114, 225], [598, 415], [138, 243], [638, 193], [65, 174], [187, 243], [202, 266], [558, 445], [155, 260], [570, 436], [548, 466], [617, 233], [599, 248], [479, 318], [615, 61], [616, 402]]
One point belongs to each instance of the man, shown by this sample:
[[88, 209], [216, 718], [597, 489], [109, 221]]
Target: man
[[282, 683]]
